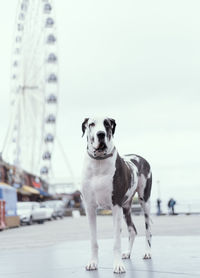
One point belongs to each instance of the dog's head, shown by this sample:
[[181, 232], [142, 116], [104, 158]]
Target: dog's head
[[99, 133]]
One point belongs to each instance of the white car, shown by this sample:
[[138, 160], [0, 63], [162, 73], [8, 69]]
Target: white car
[[47, 211], [30, 212], [57, 206]]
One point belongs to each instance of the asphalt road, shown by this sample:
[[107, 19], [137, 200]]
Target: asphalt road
[[73, 229]]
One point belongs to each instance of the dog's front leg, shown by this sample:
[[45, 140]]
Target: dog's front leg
[[117, 221], [93, 263]]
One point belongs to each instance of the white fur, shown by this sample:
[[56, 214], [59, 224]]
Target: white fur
[[97, 183]]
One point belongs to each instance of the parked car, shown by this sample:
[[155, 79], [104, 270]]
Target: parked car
[[57, 206], [30, 212], [47, 211]]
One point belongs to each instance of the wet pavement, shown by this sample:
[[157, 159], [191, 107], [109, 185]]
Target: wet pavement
[[173, 256]]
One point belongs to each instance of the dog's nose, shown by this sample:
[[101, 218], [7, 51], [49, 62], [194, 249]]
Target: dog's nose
[[101, 135]]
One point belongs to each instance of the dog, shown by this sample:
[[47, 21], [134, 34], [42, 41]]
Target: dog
[[110, 181]]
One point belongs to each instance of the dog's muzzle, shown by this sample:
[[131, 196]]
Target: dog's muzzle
[[101, 138]]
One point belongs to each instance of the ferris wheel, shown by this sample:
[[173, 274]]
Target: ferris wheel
[[34, 87]]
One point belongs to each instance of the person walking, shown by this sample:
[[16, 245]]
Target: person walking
[[171, 205]]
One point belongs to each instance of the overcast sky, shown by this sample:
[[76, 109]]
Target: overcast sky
[[137, 62]]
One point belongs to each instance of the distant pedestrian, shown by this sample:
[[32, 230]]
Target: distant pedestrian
[[158, 206], [171, 205]]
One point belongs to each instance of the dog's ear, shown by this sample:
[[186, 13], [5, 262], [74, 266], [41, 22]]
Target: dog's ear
[[84, 126], [113, 125]]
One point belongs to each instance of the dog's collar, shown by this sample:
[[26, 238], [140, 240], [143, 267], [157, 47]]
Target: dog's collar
[[101, 157]]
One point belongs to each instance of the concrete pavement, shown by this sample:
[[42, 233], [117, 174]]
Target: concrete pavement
[[174, 256], [60, 249], [72, 229]]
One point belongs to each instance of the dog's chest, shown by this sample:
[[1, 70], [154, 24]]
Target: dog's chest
[[102, 187], [101, 183]]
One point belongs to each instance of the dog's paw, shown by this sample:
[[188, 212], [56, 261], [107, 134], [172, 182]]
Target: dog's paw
[[119, 267], [92, 265], [147, 256], [126, 255]]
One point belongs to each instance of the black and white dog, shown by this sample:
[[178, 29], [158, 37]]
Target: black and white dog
[[110, 181]]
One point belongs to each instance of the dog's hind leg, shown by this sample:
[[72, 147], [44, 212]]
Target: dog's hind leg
[[145, 203], [93, 263], [146, 208], [132, 232]]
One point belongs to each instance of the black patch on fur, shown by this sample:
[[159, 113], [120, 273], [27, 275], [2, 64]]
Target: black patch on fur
[[143, 169], [113, 125], [129, 222], [121, 181], [146, 215], [134, 228], [84, 126], [124, 199], [108, 127], [147, 190], [142, 165], [146, 225], [149, 243]]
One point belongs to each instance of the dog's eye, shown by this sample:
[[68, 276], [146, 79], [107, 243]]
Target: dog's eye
[[92, 124]]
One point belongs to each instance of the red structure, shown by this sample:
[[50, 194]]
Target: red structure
[[2, 215]]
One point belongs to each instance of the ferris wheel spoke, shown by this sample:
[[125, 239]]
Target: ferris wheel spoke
[[26, 118], [33, 41], [34, 74], [8, 138], [37, 97], [32, 115], [19, 137], [32, 15], [31, 48], [31, 59], [41, 39]]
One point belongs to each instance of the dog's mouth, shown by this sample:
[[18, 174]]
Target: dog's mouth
[[102, 147]]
